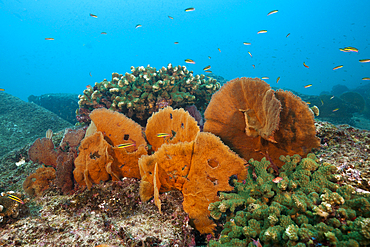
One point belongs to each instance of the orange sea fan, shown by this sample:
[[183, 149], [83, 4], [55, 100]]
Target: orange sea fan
[[255, 121], [177, 123]]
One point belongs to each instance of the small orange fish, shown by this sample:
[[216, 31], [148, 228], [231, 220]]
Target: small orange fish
[[126, 145], [49, 38], [209, 57], [176, 43], [208, 71], [253, 66], [246, 43], [338, 67], [189, 61], [305, 65], [92, 15], [287, 35], [170, 17], [103, 33], [278, 79], [262, 31], [219, 49], [307, 86], [277, 180], [2, 89]]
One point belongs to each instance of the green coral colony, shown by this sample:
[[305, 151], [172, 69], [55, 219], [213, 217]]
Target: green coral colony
[[142, 92], [308, 207]]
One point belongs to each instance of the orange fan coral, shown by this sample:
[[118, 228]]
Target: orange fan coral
[[92, 161], [255, 121], [199, 169], [178, 124]]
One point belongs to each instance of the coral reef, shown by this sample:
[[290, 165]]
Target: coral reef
[[146, 90], [257, 122], [307, 206], [109, 213], [199, 169]]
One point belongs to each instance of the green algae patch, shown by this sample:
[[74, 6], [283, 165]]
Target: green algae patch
[[307, 207]]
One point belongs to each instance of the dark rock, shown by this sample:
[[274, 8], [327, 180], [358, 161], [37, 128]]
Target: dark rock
[[62, 104], [22, 122]]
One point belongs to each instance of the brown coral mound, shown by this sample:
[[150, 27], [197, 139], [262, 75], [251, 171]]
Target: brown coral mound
[[177, 123], [39, 181], [199, 169], [92, 161], [255, 121], [42, 151]]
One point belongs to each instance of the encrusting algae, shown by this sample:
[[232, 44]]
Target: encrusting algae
[[277, 198]]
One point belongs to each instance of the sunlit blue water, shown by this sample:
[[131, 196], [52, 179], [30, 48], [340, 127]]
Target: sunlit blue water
[[32, 65]]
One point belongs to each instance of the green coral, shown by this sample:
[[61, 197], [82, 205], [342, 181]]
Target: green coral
[[306, 208], [142, 92]]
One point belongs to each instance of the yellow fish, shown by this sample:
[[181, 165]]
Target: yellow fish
[[278, 79], [170, 17], [272, 12], [189, 61], [138, 25], [2, 89], [219, 49], [262, 31], [364, 60], [126, 145], [14, 198], [92, 15], [338, 67], [365, 79], [250, 54], [287, 35], [265, 78], [176, 43], [208, 71], [336, 109], [207, 67], [332, 97], [246, 43], [163, 135], [189, 9], [209, 57], [49, 38], [307, 86]]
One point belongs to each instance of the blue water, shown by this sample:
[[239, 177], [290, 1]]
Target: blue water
[[32, 65]]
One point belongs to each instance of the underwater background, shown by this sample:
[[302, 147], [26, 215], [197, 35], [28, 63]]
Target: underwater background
[[212, 34]]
